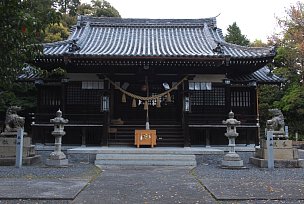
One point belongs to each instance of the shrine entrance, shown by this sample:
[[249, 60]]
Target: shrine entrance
[[166, 111]]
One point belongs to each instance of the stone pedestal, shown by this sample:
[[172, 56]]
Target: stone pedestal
[[232, 160], [57, 158], [8, 150], [285, 155]]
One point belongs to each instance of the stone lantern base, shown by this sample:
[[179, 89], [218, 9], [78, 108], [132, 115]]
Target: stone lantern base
[[57, 162], [232, 161], [57, 158]]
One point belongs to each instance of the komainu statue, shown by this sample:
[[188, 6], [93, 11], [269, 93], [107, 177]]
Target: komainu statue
[[276, 123], [13, 121]]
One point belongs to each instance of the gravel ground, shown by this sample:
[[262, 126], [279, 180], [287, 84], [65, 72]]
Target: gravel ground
[[42, 171], [285, 184], [208, 173]]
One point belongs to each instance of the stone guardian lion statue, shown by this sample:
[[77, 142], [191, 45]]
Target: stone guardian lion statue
[[276, 123], [12, 120]]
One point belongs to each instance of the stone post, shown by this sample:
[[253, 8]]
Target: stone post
[[58, 158], [232, 159]]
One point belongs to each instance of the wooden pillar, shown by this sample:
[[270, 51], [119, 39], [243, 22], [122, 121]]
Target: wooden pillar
[[185, 115], [228, 97], [187, 142], [106, 126], [83, 136], [63, 96], [255, 111], [208, 137]]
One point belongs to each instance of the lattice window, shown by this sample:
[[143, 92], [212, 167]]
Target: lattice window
[[77, 95], [214, 97], [240, 98], [92, 85]]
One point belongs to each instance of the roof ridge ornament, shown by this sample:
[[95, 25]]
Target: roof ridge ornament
[[218, 49], [73, 46], [79, 18]]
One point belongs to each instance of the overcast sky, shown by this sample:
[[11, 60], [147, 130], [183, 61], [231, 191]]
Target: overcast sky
[[256, 18]]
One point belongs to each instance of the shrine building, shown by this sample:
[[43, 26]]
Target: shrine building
[[176, 76]]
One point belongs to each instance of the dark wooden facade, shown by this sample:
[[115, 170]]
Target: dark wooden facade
[[140, 53]]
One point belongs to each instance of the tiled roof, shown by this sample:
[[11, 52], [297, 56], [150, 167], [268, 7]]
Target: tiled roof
[[173, 38], [261, 76]]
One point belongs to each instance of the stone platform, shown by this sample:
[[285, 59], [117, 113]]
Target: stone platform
[[148, 156], [285, 155], [278, 163], [8, 150]]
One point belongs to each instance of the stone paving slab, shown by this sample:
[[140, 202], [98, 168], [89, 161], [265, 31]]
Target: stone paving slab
[[145, 185], [250, 189], [52, 189]]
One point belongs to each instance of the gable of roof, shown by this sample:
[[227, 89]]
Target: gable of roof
[[261, 76]]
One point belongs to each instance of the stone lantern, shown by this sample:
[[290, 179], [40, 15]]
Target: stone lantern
[[232, 159], [58, 158]]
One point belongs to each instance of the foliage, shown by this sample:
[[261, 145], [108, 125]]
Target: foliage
[[56, 32], [235, 36], [289, 63], [21, 27], [68, 21], [293, 40], [104, 8], [20, 94], [99, 8], [267, 95], [258, 43], [85, 9], [68, 6], [58, 73]]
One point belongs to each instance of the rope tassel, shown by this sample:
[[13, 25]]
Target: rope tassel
[[168, 97], [146, 105], [134, 103], [158, 103], [123, 98]]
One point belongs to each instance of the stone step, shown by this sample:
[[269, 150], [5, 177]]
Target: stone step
[[145, 163], [145, 159]]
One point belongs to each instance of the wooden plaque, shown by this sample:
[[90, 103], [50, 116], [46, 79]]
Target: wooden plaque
[[145, 137]]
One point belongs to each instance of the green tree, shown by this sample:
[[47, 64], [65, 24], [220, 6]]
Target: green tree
[[289, 63], [235, 36], [56, 32], [21, 28], [104, 8], [68, 6], [85, 9], [258, 43]]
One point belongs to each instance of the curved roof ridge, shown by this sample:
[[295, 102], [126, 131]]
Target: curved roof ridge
[[210, 40], [63, 42], [82, 20], [84, 34]]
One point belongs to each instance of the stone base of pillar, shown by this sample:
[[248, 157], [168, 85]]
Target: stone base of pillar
[[57, 163]]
